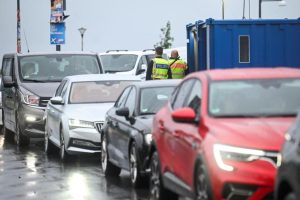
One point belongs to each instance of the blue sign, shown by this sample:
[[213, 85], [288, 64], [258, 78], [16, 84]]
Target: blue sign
[[57, 33]]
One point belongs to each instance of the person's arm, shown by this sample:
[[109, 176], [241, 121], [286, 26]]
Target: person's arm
[[149, 70], [169, 73]]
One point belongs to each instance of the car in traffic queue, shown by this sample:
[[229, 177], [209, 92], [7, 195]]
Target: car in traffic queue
[[287, 185], [28, 82], [126, 134], [127, 62], [220, 134], [75, 115]]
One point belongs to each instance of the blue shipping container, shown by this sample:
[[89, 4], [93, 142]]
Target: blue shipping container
[[220, 44]]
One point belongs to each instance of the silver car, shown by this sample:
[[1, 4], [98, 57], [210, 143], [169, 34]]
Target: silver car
[[75, 115]]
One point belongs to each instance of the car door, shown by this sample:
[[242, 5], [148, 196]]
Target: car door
[[166, 125], [124, 129], [112, 126], [54, 113], [186, 137], [8, 95]]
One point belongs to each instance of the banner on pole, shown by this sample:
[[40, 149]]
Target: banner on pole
[[57, 33]]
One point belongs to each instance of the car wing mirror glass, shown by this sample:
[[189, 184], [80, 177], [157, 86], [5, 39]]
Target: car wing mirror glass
[[124, 112], [8, 81]]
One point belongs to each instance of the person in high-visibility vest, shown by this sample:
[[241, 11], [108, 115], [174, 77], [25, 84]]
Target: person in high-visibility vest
[[158, 67], [177, 65]]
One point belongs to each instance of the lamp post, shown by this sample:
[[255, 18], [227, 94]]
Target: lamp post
[[82, 31], [282, 3], [223, 9]]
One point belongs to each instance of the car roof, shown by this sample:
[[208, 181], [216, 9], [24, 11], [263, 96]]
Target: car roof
[[156, 83], [102, 77], [250, 73], [53, 53], [118, 52]]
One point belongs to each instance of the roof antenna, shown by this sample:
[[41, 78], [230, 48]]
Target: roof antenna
[[244, 9], [26, 40]]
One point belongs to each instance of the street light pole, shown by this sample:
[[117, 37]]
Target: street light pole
[[260, 2], [82, 31], [223, 9]]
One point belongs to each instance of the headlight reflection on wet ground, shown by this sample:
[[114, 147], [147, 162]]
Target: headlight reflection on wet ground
[[78, 187]]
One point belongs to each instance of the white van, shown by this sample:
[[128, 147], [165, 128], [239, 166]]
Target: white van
[[127, 62]]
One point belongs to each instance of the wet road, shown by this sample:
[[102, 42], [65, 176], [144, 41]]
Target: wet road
[[28, 173]]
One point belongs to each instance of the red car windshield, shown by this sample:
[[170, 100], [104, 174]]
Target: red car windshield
[[254, 98]]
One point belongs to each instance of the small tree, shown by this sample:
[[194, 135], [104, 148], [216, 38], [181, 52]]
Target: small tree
[[165, 37]]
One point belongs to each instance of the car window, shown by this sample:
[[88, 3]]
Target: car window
[[121, 101], [60, 87], [182, 93], [142, 61], [118, 62], [96, 91], [64, 90], [53, 68], [130, 102], [194, 99]]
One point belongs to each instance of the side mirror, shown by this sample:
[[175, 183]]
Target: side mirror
[[57, 101], [8, 81], [123, 112], [142, 70], [186, 115]]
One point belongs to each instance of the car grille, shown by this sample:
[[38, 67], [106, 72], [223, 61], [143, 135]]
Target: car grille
[[99, 126], [44, 101]]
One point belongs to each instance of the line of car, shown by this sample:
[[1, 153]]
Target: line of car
[[214, 135]]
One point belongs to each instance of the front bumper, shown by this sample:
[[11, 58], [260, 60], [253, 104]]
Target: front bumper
[[31, 121], [249, 180], [83, 140]]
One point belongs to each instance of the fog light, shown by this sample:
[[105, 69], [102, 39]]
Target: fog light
[[83, 143], [30, 118]]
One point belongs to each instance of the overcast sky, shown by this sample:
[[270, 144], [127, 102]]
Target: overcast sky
[[122, 24]]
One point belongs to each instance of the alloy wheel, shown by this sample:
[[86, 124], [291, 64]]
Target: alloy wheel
[[154, 179], [62, 146], [133, 164], [46, 143], [103, 154], [201, 185]]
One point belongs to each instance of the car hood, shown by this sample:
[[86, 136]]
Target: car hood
[[257, 133], [42, 89], [88, 112], [145, 123]]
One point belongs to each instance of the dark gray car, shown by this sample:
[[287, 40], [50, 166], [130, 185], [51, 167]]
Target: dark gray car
[[30, 80]]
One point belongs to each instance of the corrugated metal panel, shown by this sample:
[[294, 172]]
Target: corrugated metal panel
[[243, 43]]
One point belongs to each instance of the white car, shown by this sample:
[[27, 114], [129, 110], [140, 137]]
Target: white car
[[127, 62], [75, 115]]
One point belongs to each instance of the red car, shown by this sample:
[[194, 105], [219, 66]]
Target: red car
[[220, 134]]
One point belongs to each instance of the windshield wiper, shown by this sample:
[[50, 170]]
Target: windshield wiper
[[147, 113], [34, 80], [111, 71]]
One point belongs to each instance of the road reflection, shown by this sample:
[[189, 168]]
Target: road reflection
[[28, 173]]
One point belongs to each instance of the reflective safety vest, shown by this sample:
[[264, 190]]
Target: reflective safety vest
[[160, 68], [178, 68]]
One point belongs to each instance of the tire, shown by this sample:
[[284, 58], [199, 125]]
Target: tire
[[63, 154], [290, 196], [134, 166], [202, 184], [19, 138], [109, 169], [157, 190], [48, 145]]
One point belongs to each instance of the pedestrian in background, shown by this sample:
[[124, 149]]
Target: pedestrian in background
[[158, 67], [177, 65]]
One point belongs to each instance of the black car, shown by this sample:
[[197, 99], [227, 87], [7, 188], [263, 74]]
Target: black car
[[126, 135], [287, 185]]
